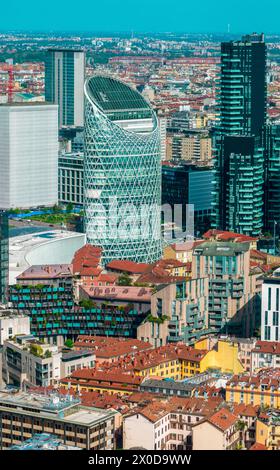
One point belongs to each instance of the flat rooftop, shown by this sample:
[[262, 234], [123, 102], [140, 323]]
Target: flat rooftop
[[51, 247], [64, 408]]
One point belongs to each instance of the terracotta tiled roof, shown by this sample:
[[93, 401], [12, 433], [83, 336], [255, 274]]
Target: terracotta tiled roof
[[105, 347], [223, 419], [267, 347], [258, 446], [86, 260], [127, 266]]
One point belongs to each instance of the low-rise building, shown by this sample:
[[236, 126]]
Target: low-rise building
[[110, 349], [166, 425], [76, 360], [268, 429], [266, 354], [262, 389]]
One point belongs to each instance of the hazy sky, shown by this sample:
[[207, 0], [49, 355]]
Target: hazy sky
[[142, 15]]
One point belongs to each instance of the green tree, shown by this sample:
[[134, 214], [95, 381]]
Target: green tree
[[124, 280], [69, 343]]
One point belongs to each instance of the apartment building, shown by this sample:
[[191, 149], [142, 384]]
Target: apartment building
[[219, 432], [266, 354], [234, 300], [179, 312], [166, 426], [262, 389], [28, 361], [268, 429], [24, 414], [13, 323]]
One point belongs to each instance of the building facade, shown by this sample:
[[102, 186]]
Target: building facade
[[4, 255], [184, 184], [64, 84], [239, 156], [30, 362], [24, 414], [71, 178], [234, 300], [122, 172], [28, 155], [270, 321], [179, 312]]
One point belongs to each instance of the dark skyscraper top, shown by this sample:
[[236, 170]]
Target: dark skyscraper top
[[243, 86]]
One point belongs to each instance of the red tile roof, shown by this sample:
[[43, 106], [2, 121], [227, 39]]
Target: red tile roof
[[86, 261], [258, 446], [107, 348], [223, 419], [127, 266], [267, 347], [222, 235]]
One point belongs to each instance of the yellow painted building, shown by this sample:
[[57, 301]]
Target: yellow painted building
[[268, 432], [224, 356]]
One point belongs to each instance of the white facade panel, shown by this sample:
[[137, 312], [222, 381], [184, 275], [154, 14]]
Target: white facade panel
[[28, 155]]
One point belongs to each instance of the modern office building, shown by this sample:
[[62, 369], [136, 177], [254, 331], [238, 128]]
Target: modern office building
[[4, 255], [23, 414], [64, 84], [71, 178], [270, 323], [271, 144], [122, 172], [239, 155], [28, 155], [184, 184]]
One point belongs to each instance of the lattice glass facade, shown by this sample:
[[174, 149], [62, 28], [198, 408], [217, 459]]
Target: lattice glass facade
[[122, 172]]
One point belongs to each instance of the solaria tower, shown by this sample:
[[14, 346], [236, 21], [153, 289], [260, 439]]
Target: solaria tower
[[122, 172]]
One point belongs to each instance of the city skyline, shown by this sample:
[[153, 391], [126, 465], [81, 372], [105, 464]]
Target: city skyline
[[182, 18]]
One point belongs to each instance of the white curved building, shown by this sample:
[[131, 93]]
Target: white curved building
[[122, 172]]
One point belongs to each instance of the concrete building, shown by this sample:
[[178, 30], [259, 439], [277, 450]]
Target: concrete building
[[13, 323], [71, 178], [270, 317], [234, 300], [28, 155], [64, 84], [82, 426], [30, 362], [179, 312], [75, 360]]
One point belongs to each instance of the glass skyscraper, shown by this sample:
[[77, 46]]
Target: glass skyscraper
[[122, 172], [64, 83], [239, 155], [4, 255]]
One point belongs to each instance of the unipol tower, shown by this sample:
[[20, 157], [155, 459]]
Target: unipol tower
[[122, 172]]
